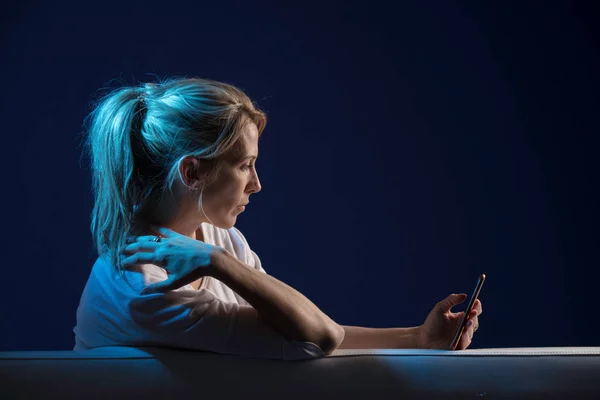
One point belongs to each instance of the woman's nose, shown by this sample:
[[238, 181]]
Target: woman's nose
[[257, 187]]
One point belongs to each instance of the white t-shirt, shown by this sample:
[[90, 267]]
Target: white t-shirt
[[213, 318]]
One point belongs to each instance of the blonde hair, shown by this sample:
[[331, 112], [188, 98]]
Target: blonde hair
[[137, 137]]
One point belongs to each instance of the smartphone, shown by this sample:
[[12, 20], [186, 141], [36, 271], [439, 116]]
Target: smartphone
[[463, 322]]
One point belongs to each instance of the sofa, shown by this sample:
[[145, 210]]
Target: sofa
[[162, 373]]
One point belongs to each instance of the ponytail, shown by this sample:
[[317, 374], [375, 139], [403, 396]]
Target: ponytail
[[115, 123]]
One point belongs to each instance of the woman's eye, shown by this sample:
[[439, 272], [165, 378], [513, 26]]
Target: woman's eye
[[246, 166]]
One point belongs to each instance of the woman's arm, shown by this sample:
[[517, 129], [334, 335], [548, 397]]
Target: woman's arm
[[358, 337], [282, 307]]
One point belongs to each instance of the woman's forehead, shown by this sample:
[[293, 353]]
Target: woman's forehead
[[246, 145]]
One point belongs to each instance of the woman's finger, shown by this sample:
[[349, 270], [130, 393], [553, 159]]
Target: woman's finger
[[146, 238], [475, 323], [140, 246], [166, 232], [464, 341], [168, 284], [466, 338], [467, 335], [472, 321], [142, 257], [159, 287]]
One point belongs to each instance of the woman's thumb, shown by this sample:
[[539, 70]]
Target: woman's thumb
[[452, 300], [459, 298]]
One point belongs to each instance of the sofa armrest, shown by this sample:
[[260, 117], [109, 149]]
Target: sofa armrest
[[152, 372]]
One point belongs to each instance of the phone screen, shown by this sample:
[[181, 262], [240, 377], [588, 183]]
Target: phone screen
[[463, 322]]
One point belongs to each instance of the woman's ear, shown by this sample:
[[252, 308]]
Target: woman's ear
[[190, 172]]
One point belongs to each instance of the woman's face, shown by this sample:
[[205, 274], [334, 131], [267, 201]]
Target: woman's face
[[222, 200]]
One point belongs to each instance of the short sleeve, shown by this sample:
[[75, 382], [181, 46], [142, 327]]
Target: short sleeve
[[197, 319], [251, 258]]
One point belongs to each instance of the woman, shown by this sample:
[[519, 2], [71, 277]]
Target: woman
[[173, 166]]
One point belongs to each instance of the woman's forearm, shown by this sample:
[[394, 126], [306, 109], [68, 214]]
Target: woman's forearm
[[285, 309], [358, 337]]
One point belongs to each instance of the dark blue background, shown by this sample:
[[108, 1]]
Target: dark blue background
[[409, 148]]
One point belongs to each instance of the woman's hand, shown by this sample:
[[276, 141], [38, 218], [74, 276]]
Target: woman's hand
[[184, 258], [440, 326]]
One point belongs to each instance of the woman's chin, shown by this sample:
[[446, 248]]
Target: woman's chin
[[227, 222]]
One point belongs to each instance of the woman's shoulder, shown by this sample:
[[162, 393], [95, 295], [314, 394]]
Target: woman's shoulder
[[251, 258], [236, 232], [230, 239]]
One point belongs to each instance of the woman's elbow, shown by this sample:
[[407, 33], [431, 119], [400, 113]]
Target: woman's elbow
[[332, 339]]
